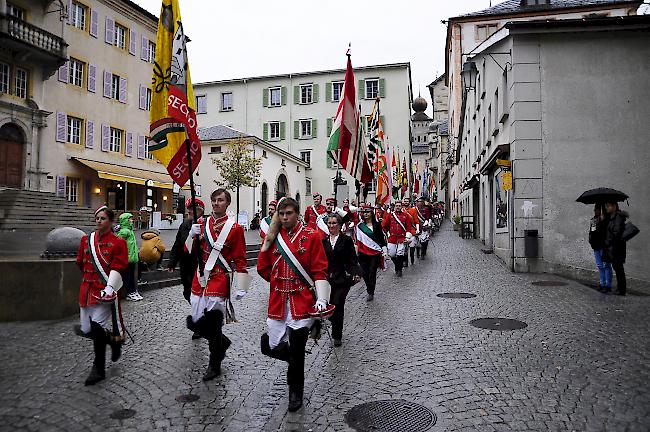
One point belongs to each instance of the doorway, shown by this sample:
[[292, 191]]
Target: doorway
[[11, 156], [281, 187], [265, 199]]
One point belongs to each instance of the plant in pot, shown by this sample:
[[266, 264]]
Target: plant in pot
[[456, 219]]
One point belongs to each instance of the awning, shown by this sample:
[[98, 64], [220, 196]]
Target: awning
[[127, 174], [501, 149]]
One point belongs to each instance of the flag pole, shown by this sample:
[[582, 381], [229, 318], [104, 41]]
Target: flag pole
[[195, 250]]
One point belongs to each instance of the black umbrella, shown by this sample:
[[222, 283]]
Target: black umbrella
[[600, 195]]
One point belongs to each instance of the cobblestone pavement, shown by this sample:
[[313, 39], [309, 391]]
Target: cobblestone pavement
[[581, 364]]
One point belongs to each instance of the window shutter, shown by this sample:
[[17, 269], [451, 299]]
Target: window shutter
[[362, 90], [329, 126], [283, 130], [129, 144], [328, 92], [313, 128], [133, 37], [383, 123], [109, 36], [265, 133], [90, 134], [203, 105], [382, 88], [92, 78], [265, 97], [122, 90], [140, 146], [61, 126], [296, 129], [94, 23], [315, 93], [63, 72], [106, 136], [283, 95], [296, 94], [69, 11], [107, 83], [60, 186], [142, 99], [144, 48]]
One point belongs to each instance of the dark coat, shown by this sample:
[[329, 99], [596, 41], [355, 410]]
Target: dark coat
[[597, 232], [342, 262], [188, 262], [614, 251]]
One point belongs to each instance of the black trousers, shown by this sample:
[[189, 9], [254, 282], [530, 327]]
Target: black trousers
[[399, 262], [296, 368], [369, 265], [337, 298], [423, 248], [621, 284]]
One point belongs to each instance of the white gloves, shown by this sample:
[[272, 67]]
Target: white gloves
[[321, 304], [107, 292], [239, 294], [408, 236], [203, 280], [195, 230], [323, 291], [384, 251], [417, 230]]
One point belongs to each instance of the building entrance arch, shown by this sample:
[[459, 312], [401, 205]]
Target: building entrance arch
[[265, 199], [12, 161], [281, 187]]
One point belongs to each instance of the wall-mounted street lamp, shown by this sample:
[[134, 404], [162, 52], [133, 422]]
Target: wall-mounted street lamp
[[469, 74], [98, 191]]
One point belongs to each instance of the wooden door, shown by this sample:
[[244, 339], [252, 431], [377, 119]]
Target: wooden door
[[11, 163]]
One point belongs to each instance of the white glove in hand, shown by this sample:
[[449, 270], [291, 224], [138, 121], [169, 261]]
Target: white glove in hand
[[384, 251], [195, 230], [321, 304], [107, 292], [239, 294]]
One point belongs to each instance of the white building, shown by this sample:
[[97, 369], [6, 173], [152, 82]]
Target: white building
[[295, 112]]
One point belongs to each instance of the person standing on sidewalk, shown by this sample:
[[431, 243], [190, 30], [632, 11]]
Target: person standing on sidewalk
[[102, 257], [400, 229], [371, 248], [266, 222], [615, 249], [223, 251], [130, 279], [597, 232], [293, 261]]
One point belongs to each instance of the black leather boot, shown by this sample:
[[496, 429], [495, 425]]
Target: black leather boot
[[280, 352], [98, 371], [216, 342], [296, 370]]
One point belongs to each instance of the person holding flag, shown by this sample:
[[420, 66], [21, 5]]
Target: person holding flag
[[424, 215], [400, 230], [371, 248], [266, 222], [313, 212]]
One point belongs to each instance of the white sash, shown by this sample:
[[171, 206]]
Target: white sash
[[264, 225], [320, 223], [95, 253], [217, 245], [399, 222], [367, 240], [294, 261]]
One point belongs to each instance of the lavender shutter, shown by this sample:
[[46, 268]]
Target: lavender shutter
[[144, 48], [60, 186], [129, 144], [143, 97], [69, 11], [140, 147], [109, 36], [63, 72], [108, 82], [106, 136], [94, 23], [61, 126], [90, 134], [92, 77], [132, 42], [122, 90]]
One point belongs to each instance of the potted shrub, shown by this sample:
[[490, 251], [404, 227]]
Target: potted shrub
[[456, 219]]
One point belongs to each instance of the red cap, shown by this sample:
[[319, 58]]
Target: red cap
[[331, 201], [366, 206], [273, 203], [199, 203], [101, 208], [316, 194]]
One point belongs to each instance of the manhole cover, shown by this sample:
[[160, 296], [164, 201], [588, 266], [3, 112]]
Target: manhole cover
[[390, 416], [122, 414], [456, 295], [498, 324], [187, 398], [549, 283]]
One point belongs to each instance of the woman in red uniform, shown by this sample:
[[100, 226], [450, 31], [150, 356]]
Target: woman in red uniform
[[102, 257]]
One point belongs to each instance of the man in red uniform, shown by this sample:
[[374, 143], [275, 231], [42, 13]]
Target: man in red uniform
[[314, 211], [400, 229], [102, 256], [411, 245], [295, 264], [424, 214], [265, 222], [223, 252]]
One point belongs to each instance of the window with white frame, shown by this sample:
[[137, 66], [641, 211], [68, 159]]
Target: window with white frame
[[147, 154], [275, 96], [215, 149], [305, 155], [78, 15], [274, 131], [15, 11], [147, 102], [21, 82], [76, 72], [5, 77], [115, 87], [120, 36], [226, 101], [75, 128], [485, 31], [72, 189], [308, 187], [306, 94], [337, 91], [305, 128], [373, 187], [116, 141], [152, 52], [372, 88], [201, 104]]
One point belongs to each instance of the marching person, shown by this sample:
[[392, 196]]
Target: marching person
[[424, 215], [343, 271], [266, 222], [412, 244], [371, 248], [293, 260], [102, 257], [400, 230], [353, 219], [314, 211], [223, 252]]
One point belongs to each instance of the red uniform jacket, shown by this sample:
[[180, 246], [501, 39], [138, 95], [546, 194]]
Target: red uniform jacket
[[234, 251], [311, 216], [113, 251], [426, 214], [395, 232], [306, 245]]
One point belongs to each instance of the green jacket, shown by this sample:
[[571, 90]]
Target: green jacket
[[126, 232]]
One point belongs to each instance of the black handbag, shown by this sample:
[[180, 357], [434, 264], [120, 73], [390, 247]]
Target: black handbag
[[630, 231]]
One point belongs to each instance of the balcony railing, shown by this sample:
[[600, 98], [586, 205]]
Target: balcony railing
[[32, 35]]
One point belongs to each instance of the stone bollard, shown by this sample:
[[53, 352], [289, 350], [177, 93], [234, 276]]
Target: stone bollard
[[62, 243]]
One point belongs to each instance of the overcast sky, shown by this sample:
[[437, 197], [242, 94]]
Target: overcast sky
[[238, 39]]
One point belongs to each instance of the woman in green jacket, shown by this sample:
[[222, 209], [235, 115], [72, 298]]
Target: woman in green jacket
[[126, 232]]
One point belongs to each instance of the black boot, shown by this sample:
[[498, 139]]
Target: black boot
[[280, 352], [116, 343], [296, 370], [216, 342], [98, 371]]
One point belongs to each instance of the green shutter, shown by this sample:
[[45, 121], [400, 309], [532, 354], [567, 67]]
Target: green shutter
[[296, 95], [382, 88], [362, 89], [265, 97], [283, 130], [296, 129], [383, 122], [315, 93], [284, 95], [329, 127], [265, 133], [328, 92], [313, 128]]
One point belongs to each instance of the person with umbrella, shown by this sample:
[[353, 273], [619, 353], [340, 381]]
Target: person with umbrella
[[597, 231]]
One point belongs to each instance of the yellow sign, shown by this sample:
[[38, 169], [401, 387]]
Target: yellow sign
[[506, 180], [504, 163]]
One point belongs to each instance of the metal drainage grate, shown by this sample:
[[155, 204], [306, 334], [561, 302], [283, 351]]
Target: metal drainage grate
[[498, 324], [549, 283], [122, 414], [186, 398], [390, 416], [456, 295]]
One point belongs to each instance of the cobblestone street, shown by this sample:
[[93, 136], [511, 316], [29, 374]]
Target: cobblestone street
[[581, 364]]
